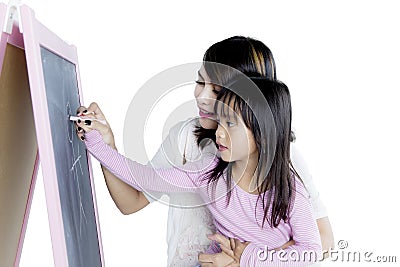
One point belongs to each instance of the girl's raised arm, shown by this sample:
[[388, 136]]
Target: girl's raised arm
[[168, 155], [127, 199], [141, 177]]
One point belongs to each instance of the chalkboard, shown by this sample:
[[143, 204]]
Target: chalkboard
[[56, 94], [71, 162]]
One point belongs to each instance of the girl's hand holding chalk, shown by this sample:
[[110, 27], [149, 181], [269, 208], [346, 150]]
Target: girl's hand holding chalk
[[84, 118], [85, 122]]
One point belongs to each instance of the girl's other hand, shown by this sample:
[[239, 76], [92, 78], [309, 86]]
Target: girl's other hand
[[86, 125]]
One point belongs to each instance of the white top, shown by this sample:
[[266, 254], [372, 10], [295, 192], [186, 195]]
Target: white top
[[189, 220]]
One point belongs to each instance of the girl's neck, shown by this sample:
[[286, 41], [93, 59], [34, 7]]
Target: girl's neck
[[243, 172]]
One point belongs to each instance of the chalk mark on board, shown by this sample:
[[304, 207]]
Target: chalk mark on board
[[74, 169], [76, 161]]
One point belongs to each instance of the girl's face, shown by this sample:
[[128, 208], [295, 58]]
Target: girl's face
[[235, 141], [205, 94]]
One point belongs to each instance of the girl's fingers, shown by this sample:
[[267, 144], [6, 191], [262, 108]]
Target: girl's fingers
[[79, 126], [96, 125], [92, 118], [81, 135], [91, 122], [93, 109], [79, 129], [84, 125], [80, 110], [93, 112]]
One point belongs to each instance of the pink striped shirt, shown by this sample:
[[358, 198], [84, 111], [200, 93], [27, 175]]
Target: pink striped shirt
[[241, 219]]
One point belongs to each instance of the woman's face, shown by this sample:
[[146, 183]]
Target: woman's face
[[205, 94]]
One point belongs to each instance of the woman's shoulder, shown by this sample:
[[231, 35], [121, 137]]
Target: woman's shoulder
[[183, 136], [184, 128], [299, 188]]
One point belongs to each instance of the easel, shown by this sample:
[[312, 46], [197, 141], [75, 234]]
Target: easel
[[25, 116]]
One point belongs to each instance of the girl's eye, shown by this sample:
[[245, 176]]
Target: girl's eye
[[230, 124], [215, 91]]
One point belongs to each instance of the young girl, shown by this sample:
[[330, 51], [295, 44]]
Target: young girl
[[252, 197], [250, 56]]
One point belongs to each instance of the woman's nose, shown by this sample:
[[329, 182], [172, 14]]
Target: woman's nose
[[206, 96]]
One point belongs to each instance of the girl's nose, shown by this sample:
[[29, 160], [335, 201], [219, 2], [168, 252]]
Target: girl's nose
[[220, 132]]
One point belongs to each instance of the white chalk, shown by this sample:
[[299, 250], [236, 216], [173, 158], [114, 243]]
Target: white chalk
[[83, 118]]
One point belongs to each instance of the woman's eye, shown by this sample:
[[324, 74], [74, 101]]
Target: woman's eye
[[215, 91], [200, 83], [230, 124]]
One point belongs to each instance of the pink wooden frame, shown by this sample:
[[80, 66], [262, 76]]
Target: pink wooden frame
[[33, 37], [16, 39]]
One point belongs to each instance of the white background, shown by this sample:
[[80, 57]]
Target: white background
[[339, 58]]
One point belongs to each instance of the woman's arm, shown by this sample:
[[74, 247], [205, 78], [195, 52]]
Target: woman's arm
[[325, 231], [319, 209], [127, 199]]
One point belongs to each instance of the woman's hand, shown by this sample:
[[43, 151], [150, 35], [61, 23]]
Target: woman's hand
[[232, 250], [232, 247], [286, 245], [216, 260], [83, 126]]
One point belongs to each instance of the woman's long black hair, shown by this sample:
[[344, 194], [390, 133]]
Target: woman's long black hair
[[269, 120], [248, 56]]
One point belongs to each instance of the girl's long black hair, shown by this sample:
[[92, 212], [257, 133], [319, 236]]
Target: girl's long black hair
[[269, 120]]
